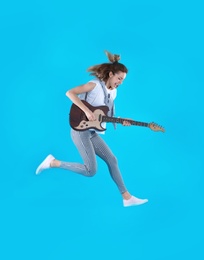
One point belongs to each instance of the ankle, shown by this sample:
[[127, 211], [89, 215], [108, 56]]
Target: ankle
[[126, 195], [54, 163]]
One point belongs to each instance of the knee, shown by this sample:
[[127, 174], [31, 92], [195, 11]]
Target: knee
[[113, 160], [91, 172]]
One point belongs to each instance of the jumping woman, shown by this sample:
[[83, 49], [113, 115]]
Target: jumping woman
[[101, 91]]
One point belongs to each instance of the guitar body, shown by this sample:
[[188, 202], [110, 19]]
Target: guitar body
[[78, 120]]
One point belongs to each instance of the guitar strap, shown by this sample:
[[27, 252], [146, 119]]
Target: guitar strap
[[108, 100]]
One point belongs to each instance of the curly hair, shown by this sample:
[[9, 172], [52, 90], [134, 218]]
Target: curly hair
[[102, 71]]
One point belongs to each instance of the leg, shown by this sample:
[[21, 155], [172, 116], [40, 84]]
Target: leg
[[85, 147], [104, 152]]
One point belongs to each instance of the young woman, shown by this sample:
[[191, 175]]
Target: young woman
[[97, 92]]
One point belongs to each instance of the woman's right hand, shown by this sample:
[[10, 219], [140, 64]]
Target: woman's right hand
[[90, 115]]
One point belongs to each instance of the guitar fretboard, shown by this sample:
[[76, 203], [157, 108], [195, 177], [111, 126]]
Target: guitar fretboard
[[121, 120]]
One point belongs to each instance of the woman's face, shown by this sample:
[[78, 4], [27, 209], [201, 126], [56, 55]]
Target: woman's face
[[115, 80]]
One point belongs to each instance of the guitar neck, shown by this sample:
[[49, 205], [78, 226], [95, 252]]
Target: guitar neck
[[121, 120]]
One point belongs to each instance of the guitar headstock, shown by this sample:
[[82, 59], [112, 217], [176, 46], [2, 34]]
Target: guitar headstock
[[153, 126]]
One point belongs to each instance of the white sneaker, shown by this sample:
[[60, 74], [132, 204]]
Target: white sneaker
[[45, 164], [133, 201]]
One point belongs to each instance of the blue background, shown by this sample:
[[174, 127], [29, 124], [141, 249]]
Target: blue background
[[45, 49]]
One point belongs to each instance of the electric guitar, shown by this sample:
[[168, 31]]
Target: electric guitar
[[78, 120]]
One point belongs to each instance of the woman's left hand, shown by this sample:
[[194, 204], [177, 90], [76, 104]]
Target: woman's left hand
[[126, 122]]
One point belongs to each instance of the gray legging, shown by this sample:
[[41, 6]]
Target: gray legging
[[90, 144]]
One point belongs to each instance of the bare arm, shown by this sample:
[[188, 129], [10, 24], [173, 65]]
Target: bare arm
[[73, 93]]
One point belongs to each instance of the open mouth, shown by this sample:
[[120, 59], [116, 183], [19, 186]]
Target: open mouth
[[115, 86]]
